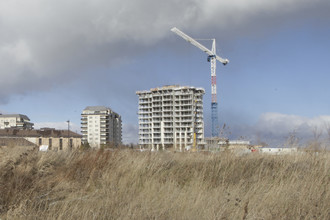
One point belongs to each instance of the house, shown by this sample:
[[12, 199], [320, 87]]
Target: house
[[17, 121], [55, 140], [221, 144]]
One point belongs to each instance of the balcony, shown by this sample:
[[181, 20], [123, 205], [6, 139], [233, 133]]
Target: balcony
[[156, 95], [185, 103], [144, 123], [142, 101], [185, 98], [168, 118], [167, 97]]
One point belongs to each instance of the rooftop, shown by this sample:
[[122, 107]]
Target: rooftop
[[170, 87], [14, 115], [14, 141], [97, 108], [38, 133]]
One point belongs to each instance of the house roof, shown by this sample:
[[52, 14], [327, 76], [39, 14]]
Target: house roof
[[15, 115], [97, 108], [15, 141], [38, 133]]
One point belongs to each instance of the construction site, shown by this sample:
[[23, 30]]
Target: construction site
[[172, 116]]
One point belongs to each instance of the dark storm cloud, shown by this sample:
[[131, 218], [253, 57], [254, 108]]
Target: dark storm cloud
[[43, 43]]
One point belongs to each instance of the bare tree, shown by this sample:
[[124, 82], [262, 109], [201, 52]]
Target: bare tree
[[292, 140], [327, 128], [224, 131], [315, 144]]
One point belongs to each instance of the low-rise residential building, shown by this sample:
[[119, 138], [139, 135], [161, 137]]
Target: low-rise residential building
[[221, 144], [56, 140], [101, 126], [234, 144], [212, 143], [17, 121]]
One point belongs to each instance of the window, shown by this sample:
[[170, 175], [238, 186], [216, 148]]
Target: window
[[61, 144], [50, 144], [40, 141], [71, 143]]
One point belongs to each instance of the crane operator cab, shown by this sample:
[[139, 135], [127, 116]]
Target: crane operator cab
[[209, 58]]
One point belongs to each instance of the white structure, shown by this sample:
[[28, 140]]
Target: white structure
[[100, 126], [17, 121], [278, 150], [169, 116]]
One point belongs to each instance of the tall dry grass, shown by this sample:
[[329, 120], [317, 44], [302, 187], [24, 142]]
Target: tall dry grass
[[126, 184]]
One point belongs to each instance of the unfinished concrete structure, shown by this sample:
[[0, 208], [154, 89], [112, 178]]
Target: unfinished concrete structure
[[100, 126], [169, 116]]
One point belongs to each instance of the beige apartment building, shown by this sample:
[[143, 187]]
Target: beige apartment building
[[17, 121], [169, 116], [101, 126]]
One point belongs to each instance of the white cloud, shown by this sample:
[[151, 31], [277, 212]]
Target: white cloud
[[282, 124], [276, 128]]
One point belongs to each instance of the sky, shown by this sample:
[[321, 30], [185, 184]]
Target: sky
[[57, 57]]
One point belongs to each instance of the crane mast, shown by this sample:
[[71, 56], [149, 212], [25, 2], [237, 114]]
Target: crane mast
[[214, 103], [212, 58]]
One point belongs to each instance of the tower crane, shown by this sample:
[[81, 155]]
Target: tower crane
[[212, 58]]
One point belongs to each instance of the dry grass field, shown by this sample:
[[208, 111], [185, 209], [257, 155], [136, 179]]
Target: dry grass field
[[126, 184]]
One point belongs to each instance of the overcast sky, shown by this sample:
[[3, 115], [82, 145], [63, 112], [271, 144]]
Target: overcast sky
[[57, 57]]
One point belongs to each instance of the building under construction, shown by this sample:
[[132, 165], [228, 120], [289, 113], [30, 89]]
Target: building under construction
[[171, 116]]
